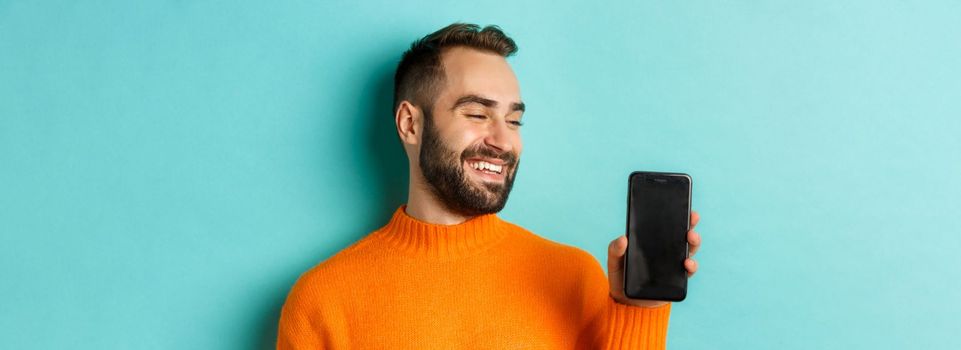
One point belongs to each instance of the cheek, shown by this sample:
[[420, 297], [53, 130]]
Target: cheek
[[452, 138], [463, 140], [518, 145]]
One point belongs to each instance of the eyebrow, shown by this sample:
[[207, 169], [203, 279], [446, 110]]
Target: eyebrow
[[486, 102]]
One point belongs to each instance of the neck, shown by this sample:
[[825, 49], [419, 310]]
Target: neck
[[423, 205]]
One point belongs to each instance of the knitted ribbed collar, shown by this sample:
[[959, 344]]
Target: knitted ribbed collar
[[412, 236]]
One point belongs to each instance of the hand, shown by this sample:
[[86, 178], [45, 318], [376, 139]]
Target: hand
[[615, 265]]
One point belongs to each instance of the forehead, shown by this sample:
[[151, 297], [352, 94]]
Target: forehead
[[477, 72]]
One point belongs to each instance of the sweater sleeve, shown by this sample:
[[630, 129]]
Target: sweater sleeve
[[308, 321], [615, 326], [635, 327]]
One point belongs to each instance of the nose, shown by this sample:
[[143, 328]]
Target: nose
[[499, 137]]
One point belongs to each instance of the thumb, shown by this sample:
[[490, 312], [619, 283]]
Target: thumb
[[615, 255]]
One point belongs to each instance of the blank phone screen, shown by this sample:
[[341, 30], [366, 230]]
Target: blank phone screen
[[658, 217]]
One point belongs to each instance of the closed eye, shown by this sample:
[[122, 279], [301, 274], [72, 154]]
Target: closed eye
[[516, 123]]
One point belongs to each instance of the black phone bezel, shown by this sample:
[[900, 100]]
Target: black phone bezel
[[630, 188]]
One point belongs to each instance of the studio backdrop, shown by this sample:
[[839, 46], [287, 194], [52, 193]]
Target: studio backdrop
[[169, 168]]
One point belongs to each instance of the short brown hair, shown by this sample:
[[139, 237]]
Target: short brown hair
[[420, 73]]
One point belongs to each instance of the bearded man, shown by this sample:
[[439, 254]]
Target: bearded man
[[446, 272]]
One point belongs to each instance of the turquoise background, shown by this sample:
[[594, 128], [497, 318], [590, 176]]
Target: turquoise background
[[169, 168]]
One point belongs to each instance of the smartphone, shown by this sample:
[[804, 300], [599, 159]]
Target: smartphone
[[658, 218]]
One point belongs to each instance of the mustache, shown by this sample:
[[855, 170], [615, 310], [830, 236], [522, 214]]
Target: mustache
[[481, 151]]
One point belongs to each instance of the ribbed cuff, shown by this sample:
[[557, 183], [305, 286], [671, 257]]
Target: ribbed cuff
[[635, 327]]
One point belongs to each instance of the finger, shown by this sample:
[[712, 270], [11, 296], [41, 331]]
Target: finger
[[693, 242], [691, 266], [615, 254], [615, 266], [695, 218]]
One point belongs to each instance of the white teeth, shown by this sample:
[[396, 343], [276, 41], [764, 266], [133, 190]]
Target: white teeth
[[487, 166]]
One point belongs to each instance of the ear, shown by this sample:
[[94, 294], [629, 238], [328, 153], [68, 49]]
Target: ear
[[407, 118]]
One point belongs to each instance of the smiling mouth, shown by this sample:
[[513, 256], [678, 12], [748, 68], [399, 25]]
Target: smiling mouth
[[487, 170]]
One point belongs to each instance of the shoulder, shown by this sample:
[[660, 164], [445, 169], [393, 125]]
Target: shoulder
[[327, 276], [562, 253], [571, 268]]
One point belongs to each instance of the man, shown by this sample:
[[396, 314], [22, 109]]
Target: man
[[446, 272]]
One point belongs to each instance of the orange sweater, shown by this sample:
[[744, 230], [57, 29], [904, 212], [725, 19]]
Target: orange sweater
[[484, 283]]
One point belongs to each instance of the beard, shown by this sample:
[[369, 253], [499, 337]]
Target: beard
[[445, 175]]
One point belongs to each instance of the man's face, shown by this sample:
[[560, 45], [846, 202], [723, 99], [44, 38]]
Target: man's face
[[471, 141]]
